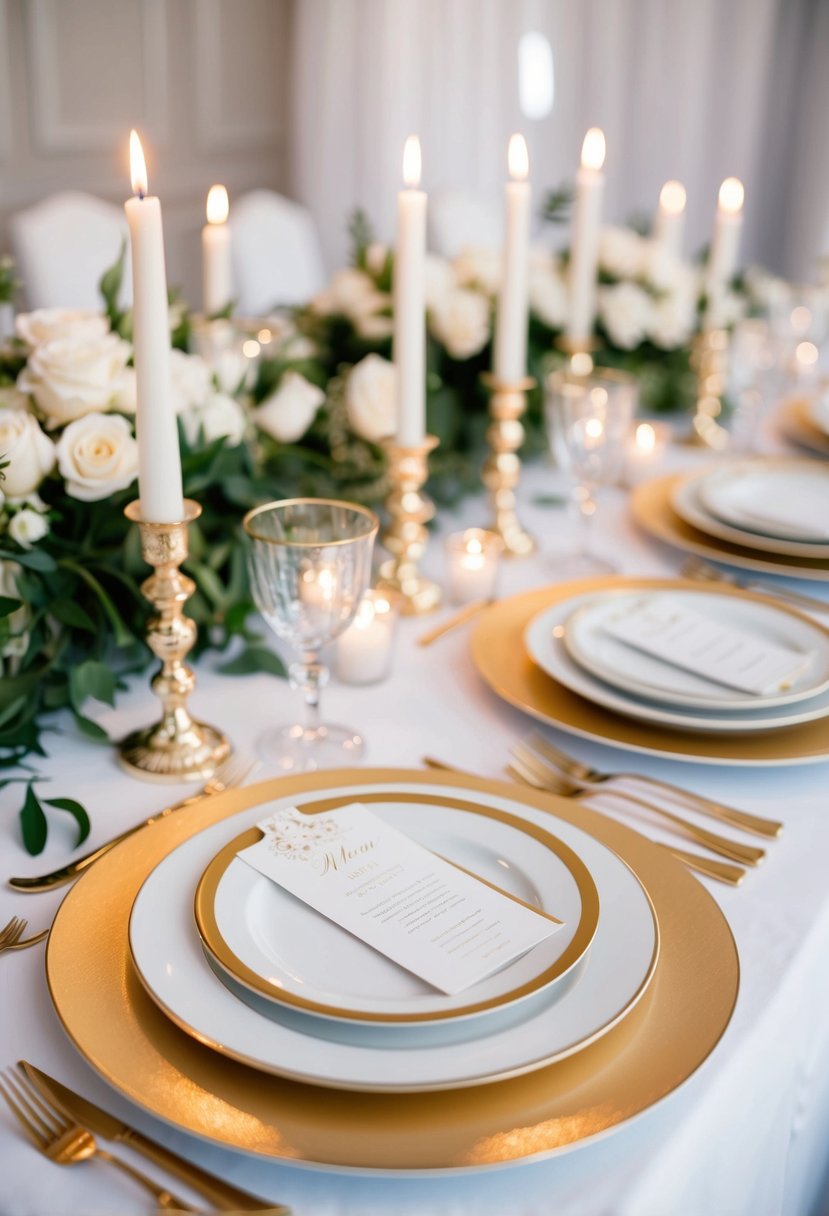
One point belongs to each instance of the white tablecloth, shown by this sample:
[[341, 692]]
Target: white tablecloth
[[748, 1134]]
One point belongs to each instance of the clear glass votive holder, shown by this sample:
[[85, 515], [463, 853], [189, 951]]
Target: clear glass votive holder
[[472, 558], [646, 449], [364, 650]]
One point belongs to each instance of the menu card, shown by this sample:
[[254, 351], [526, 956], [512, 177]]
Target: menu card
[[687, 639], [434, 919]]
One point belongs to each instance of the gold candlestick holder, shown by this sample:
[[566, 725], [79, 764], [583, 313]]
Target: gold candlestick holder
[[709, 360], [177, 748], [502, 469], [406, 535]]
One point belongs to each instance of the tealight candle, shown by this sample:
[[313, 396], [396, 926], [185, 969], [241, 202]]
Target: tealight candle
[[364, 650], [473, 558], [645, 450]]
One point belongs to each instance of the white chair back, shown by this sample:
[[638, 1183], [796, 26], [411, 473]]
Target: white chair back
[[63, 245], [277, 258], [458, 221]]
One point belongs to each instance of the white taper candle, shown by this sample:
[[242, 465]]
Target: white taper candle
[[584, 249], [409, 301], [510, 362], [217, 271], [669, 222]]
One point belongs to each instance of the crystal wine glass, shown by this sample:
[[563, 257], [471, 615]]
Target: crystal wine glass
[[588, 423], [310, 563]]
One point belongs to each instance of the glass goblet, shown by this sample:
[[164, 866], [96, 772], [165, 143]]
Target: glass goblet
[[588, 423], [309, 561]]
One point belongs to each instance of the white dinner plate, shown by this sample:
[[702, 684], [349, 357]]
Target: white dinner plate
[[644, 675], [544, 640], [719, 503], [269, 941], [167, 953]]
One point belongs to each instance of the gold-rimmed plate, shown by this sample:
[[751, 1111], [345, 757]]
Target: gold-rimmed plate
[[276, 946], [129, 1041], [502, 660]]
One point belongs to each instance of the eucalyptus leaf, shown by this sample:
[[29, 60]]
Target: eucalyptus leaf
[[33, 822], [8, 605], [76, 811]]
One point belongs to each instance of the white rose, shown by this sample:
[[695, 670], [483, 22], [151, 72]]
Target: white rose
[[724, 310], [11, 398], [27, 527], [46, 324], [438, 280], [620, 252], [371, 398], [288, 412], [70, 377], [97, 455], [462, 322], [190, 377], [346, 291], [660, 266], [481, 268], [376, 257], [673, 319], [30, 453], [625, 311], [372, 316], [219, 418], [548, 296]]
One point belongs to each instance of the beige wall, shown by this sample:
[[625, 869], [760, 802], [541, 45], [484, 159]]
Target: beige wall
[[205, 81]]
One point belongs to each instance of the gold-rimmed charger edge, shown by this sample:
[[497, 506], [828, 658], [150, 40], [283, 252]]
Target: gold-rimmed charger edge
[[214, 941], [500, 656], [650, 503], [126, 1038]]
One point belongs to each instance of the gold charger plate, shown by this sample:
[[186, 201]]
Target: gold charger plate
[[501, 658], [122, 1034], [652, 510], [797, 424]]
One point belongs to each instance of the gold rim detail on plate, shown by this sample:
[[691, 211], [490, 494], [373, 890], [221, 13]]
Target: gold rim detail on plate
[[214, 942], [129, 1041], [651, 506], [501, 658]]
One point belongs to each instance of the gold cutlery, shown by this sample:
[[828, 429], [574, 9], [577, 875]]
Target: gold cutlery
[[11, 935], [709, 866], [231, 774], [548, 775], [460, 618], [66, 1142], [695, 802], [220, 1194], [704, 572]]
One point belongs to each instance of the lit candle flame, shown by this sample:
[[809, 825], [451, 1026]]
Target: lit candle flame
[[138, 166], [593, 149], [732, 195], [672, 197], [411, 162], [217, 205], [518, 158]]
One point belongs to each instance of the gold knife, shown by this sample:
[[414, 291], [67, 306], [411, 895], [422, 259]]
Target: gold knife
[[221, 1194]]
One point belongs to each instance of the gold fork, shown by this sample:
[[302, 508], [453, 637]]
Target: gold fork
[[66, 1142], [231, 774], [722, 871], [585, 775], [11, 935], [547, 773]]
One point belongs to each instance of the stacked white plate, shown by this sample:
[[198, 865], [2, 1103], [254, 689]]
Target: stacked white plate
[[571, 642], [774, 505], [259, 976]]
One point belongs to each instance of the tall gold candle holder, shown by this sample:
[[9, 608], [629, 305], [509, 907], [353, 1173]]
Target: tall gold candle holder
[[406, 535], [177, 748], [502, 469], [709, 360]]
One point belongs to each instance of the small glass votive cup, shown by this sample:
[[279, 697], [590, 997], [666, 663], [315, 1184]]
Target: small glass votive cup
[[645, 451], [472, 558], [364, 650]]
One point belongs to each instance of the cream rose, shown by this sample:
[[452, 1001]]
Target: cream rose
[[478, 267], [621, 252], [625, 312], [47, 324], [27, 527], [377, 255], [219, 418], [345, 293], [371, 398], [70, 377], [548, 296], [289, 411], [30, 453], [191, 382], [461, 322], [97, 455]]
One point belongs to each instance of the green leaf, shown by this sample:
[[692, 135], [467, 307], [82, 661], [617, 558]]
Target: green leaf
[[70, 613], [91, 679], [254, 659], [8, 606], [123, 637], [34, 559], [12, 710], [91, 729], [33, 823], [78, 813]]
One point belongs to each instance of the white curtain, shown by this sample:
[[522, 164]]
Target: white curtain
[[693, 89]]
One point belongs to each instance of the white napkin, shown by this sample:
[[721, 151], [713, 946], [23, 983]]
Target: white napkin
[[686, 639]]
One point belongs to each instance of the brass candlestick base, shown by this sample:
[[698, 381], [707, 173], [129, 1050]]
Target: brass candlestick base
[[709, 359], [502, 470], [406, 535], [177, 748]]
